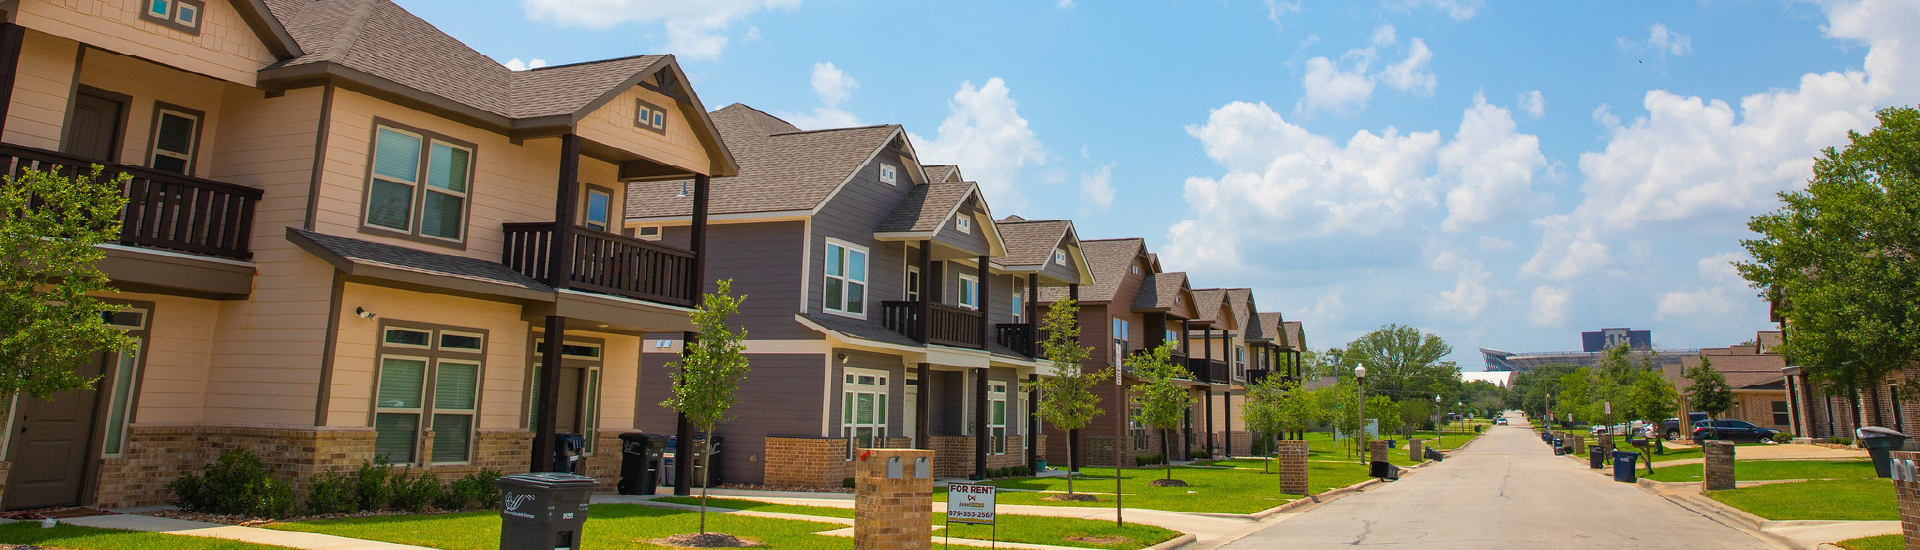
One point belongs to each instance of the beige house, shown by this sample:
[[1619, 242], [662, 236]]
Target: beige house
[[341, 241]]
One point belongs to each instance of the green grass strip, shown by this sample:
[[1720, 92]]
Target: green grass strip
[[609, 526], [74, 537], [1758, 470], [1882, 542], [1013, 528], [1848, 499]]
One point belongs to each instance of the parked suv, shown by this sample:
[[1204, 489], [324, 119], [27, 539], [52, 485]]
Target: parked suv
[[1670, 429], [1728, 429]]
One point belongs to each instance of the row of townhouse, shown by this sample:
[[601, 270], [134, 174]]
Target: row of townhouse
[[351, 237]]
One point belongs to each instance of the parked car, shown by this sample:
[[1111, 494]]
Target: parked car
[[1635, 427], [1670, 429], [1728, 429], [1502, 421]]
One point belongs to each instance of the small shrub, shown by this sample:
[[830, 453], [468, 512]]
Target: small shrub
[[1783, 437], [470, 492], [330, 493], [1200, 455], [1148, 460], [1019, 471], [414, 494], [370, 490], [1840, 440], [847, 483], [237, 483]]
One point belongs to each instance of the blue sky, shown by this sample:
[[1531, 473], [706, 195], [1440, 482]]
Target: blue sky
[[1502, 174]]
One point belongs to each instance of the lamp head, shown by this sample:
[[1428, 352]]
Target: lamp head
[[1359, 372]]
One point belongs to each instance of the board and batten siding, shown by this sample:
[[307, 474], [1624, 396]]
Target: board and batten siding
[[42, 86], [974, 241], [613, 124], [764, 260], [226, 48], [850, 216]]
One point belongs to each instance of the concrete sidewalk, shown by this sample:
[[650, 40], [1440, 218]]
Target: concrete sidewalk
[[289, 539]]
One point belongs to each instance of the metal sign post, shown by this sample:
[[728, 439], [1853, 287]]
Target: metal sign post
[[971, 503]]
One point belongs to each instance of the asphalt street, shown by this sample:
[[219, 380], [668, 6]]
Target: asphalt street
[[1505, 491]]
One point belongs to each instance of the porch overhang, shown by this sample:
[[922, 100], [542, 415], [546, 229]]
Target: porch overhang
[[135, 269]]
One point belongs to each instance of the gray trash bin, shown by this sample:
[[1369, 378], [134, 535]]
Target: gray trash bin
[[640, 462], [543, 511], [1880, 443], [1596, 457]]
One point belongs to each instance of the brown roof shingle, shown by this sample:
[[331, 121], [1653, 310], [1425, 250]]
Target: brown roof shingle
[[939, 172], [782, 168], [1206, 304], [1108, 259], [1160, 290], [1270, 327], [1031, 242], [1240, 302], [1296, 336], [926, 207]]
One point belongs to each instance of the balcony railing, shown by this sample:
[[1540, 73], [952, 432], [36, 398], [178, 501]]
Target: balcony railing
[[603, 262], [164, 210], [1018, 337], [1212, 372], [946, 325]]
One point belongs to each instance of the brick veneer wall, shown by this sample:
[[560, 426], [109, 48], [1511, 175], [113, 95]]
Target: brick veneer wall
[[1098, 449], [1292, 464], [1579, 444], [807, 461], [1238, 443], [1377, 450], [1907, 492], [1719, 465], [892, 512], [1413, 448]]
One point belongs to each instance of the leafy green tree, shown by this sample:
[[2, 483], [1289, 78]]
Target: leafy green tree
[[1066, 399], [1574, 397], [1709, 392], [1403, 362], [1414, 413], [1530, 390], [1651, 399], [706, 376], [1386, 412], [1163, 402], [1265, 408], [49, 321], [1839, 258], [1323, 364], [1342, 400]]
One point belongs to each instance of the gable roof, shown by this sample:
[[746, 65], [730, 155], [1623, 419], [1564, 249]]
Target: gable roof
[[1270, 324], [927, 206], [782, 168], [1741, 371], [940, 172], [1031, 242], [1161, 291], [378, 44], [1240, 303], [1108, 260], [1296, 336], [1206, 304]]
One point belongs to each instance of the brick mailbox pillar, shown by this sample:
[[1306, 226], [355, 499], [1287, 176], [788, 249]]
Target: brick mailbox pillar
[[1413, 449], [1719, 465], [1906, 490], [1579, 444], [893, 499], [1292, 464], [1377, 450]]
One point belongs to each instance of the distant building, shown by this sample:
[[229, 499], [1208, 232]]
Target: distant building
[[1603, 339], [1592, 343]]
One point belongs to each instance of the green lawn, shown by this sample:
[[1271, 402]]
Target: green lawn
[[1231, 491], [1847, 499], [1754, 470], [1012, 528], [1882, 542], [609, 526], [74, 537]]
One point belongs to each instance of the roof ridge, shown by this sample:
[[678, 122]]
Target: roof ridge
[[868, 127], [590, 62], [1114, 239], [350, 29]]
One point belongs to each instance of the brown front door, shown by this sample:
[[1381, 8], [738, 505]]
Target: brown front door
[[94, 131], [51, 444]]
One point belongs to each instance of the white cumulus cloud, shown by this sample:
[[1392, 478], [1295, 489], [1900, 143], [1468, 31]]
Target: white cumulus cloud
[[1659, 40], [1411, 74], [834, 88], [1549, 307], [694, 29], [1492, 164], [1534, 104], [1332, 88], [516, 64], [1720, 292], [1096, 188], [985, 133], [1471, 291]]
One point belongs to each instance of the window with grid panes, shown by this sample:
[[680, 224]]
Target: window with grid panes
[[863, 409], [419, 184], [846, 279], [997, 416], [429, 379], [1136, 429]]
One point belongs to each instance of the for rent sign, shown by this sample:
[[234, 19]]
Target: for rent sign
[[970, 503]]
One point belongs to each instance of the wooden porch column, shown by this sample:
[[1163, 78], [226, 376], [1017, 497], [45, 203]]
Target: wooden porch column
[[560, 262], [985, 274], [1210, 446], [683, 435], [1033, 421], [922, 399], [1033, 316], [546, 417], [1156, 330], [11, 37], [980, 423], [926, 297], [698, 240]]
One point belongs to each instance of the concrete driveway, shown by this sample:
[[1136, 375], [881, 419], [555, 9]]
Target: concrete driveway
[[1505, 491]]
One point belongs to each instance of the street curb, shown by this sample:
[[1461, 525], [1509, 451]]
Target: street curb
[[1301, 503], [1179, 541]]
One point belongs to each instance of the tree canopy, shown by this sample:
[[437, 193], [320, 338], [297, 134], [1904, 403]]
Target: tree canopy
[[1163, 402], [49, 321], [1403, 362]]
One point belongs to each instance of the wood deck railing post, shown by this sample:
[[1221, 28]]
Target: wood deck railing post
[[1033, 418], [926, 293], [1033, 315], [698, 282], [986, 301]]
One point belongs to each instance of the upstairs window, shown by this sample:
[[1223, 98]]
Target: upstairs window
[[182, 15], [599, 208], [969, 292], [1059, 257], [1119, 341], [963, 223], [846, 281], [913, 284], [176, 132], [649, 117], [1019, 299], [418, 184], [889, 174]]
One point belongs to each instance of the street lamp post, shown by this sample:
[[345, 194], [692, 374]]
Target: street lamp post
[[1360, 376], [1438, 435]]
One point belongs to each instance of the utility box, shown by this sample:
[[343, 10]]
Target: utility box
[[543, 511]]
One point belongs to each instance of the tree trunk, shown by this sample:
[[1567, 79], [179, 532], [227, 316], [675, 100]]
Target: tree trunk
[[705, 464], [1069, 465]]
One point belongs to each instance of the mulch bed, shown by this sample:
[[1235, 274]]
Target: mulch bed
[[1167, 483], [55, 513], [1106, 539], [1073, 498], [706, 540]]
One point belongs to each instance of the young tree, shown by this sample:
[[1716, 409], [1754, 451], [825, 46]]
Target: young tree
[[1414, 413], [1343, 402], [1386, 412], [1162, 400], [1651, 400], [1709, 392], [1839, 259], [1066, 399], [49, 322], [1265, 408], [705, 377]]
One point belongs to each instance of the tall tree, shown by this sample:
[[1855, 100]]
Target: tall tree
[[1839, 257], [706, 376], [1067, 400], [1265, 408], [1402, 362], [1162, 400], [1342, 400], [49, 321], [1709, 392], [1651, 400]]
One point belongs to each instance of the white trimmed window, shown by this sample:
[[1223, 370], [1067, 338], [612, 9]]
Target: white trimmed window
[[1173, 339], [913, 284], [846, 281], [1137, 429], [429, 380], [889, 174], [963, 223], [649, 233], [1019, 299], [1239, 362], [1059, 257], [997, 416], [419, 184], [969, 292], [863, 409], [174, 136], [599, 209], [126, 378]]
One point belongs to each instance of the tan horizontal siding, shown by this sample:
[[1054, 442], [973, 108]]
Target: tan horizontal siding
[[225, 48], [613, 124], [41, 88]]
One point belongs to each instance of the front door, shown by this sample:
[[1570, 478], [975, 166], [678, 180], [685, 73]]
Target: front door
[[52, 441], [94, 131]]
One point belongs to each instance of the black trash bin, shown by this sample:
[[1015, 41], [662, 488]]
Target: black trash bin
[[567, 450], [1596, 457], [1384, 470], [1623, 464], [543, 511], [713, 457], [640, 462], [1433, 454], [1880, 443]]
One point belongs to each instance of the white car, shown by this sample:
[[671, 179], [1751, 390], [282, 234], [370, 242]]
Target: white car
[[1634, 428]]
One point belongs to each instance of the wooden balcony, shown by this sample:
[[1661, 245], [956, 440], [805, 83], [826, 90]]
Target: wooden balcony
[[945, 325], [1020, 337], [164, 210], [602, 262], [1212, 372]]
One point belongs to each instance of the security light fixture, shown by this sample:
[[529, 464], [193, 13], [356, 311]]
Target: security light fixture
[[363, 313]]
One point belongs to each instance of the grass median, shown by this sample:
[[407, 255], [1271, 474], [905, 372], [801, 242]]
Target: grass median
[[1882, 542], [1846, 499], [608, 526], [1237, 488], [1758, 470], [1012, 527], [74, 537]]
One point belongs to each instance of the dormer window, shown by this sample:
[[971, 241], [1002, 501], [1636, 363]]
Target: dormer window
[[1059, 257], [964, 224], [183, 15], [649, 117], [1136, 269], [889, 174]]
